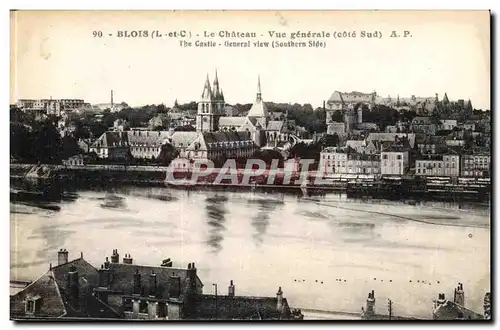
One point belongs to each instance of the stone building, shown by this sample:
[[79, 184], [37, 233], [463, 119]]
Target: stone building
[[438, 165], [348, 161], [120, 289]]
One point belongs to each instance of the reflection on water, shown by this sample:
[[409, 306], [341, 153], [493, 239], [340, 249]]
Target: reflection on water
[[216, 210], [325, 255], [263, 211]]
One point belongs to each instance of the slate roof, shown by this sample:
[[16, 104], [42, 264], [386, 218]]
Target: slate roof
[[183, 139], [391, 137], [122, 280], [56, 301], [238, 308], [231, 121], [337, 97], [452, 311], [110, 139]]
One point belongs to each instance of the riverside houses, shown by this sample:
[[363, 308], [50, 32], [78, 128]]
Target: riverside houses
[[438, 165], [74, 290], [348, 161], [477, 164]]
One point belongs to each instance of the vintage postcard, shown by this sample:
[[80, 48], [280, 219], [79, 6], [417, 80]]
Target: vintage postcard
[[250, 165]]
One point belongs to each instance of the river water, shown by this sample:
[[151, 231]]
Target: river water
[[326, 254]]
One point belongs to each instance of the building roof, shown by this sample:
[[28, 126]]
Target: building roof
[[56, 299], [111, 139], [339, 97], [274, 125], [183, 139], [231, 121], [391, 137], [122, 280], [238, 308], [421, 121], [147, 138], [453, 311]]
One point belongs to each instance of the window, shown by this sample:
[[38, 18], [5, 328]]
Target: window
[[418, 170], [128, 305], [143, 307], [161, 310], [399, 157], [384, 157], [30, 306]]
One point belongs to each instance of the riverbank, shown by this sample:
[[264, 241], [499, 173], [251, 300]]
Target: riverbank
[[394, 188]]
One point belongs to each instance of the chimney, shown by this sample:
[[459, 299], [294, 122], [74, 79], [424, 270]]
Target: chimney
[[115, 257], [191, 274], [106, 263], [459, 296], [279, 298], [137, 282], [152, 284], [370, 303], [441, 299], [324, 105], [167, 263], [103, 277], [127, 259], [230, 290], [62, 257], [73, 285], [112, 100]]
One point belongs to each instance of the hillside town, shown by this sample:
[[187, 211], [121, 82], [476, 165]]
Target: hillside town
[[365, 144], [352, 134]]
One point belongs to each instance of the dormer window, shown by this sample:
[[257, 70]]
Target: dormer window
[[33, 305]]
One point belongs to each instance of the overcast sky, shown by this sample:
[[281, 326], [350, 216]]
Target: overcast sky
[[55, 54]]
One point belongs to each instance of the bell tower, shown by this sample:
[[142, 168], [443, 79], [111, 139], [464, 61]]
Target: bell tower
[[210, 107]]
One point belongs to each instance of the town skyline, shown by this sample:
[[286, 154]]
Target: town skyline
[[144, 71]]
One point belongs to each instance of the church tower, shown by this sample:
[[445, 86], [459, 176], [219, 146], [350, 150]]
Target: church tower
[[210, 107], [259, 108]]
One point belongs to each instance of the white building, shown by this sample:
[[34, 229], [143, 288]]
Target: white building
[[348, 161], [438, 165], [394, 162]]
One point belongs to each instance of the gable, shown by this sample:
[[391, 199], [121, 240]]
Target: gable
[[45, 287]]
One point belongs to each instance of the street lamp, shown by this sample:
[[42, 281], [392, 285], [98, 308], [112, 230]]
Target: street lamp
[[216, 307]]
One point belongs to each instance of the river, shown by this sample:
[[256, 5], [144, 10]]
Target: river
[[326, 254]]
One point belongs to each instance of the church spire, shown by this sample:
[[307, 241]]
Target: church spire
[[216, 87], [259, 93], [207, 92]]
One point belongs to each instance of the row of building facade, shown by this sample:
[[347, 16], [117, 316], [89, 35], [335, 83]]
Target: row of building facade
[[387, 157]]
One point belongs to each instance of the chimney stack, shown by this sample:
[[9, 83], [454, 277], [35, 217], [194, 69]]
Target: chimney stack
[[370, 303], [103, 277], [279, 298], [230, 291], [106, 263], [127, 259], [459, 296], [137, 282], [62, 257], [115, 257], [73, 285]]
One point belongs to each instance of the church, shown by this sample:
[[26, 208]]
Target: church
[[264, 131]]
